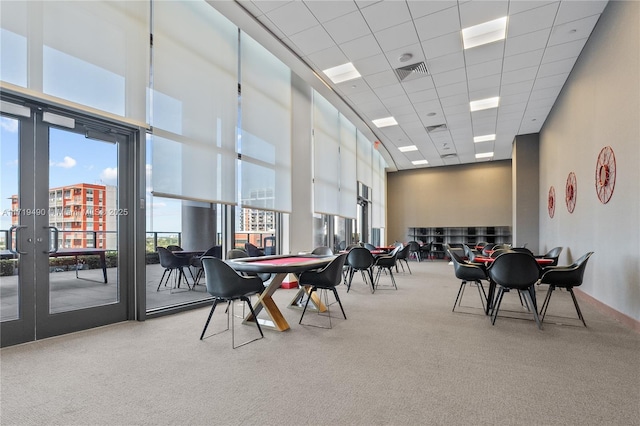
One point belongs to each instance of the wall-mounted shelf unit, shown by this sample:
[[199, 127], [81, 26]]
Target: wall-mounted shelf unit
[[455, 236]]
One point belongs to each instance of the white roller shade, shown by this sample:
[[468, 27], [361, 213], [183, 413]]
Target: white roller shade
[[326, 154], [348, 174], [194, 103], [91, 54], [265, 143]]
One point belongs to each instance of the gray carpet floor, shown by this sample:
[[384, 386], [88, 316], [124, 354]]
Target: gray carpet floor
[[401, 358]]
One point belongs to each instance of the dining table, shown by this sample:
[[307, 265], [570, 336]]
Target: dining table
[[280, 266]]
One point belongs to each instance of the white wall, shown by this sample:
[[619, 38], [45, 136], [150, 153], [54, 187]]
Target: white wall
[[599, 106]]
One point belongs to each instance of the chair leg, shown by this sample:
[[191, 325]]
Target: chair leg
[[351, 272], [496, 308], [528, 294], [575, 303], [162, 278], [545, 304], [483, 295], [213, 308], [306, 304], [335, 293], [458, 296], [233, 343], [408, 267]]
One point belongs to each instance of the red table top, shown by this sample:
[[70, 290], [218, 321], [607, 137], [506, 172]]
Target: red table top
[[541, 261], [280, 263]]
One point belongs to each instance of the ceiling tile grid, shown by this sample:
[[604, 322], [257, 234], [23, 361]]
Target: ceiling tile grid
[[527, 69]]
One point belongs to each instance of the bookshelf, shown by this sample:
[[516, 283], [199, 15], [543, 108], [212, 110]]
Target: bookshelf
[[456, 236]]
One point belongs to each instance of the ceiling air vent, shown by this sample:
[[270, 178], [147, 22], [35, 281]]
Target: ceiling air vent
[[437, 127], [445, 156], [411, 72]]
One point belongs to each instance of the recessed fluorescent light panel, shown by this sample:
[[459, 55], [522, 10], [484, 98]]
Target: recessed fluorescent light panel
[[484, 138], [407, 148], [484, 155], [487, 32], [419, 162], [384, 122], [484, 103], [342, 73]]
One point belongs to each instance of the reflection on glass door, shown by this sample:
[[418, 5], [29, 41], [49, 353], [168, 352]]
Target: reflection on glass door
[[9, 202], [63, 212], [83, 221]]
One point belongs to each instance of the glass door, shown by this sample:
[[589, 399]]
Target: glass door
[[65, 216]]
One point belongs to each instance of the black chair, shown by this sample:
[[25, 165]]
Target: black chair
[[322, 251], [522, 250], [515, 271], [387, 262], [566, 277], [369, 246], [327, 278], [196, 262], [239, 254], [170, 262], [414, 250], [468, 273], [403, 255], [360, 259], [554, 254], [425, 250], [252, 250], [174, 248], [225, 285]]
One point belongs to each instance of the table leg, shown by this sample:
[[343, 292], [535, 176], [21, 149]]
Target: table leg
[[298, 300], [265, 301]]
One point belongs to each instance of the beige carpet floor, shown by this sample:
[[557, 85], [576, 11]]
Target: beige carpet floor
[[401, 358]]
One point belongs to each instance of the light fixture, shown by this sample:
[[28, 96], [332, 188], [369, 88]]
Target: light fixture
[[484, 138], [405, 57], [484, 33], [384, 122], [487, 103], [407, 148], [342, 73], [419, 162], [484, 155]]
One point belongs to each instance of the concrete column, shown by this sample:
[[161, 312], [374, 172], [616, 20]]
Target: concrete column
[[198, 225], [526, 189]]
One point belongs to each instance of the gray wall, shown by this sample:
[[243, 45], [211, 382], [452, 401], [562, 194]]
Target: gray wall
[[599, 106], [465, 195]]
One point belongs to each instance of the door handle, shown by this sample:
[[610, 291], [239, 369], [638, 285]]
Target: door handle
[[14, 230], [55, 238]]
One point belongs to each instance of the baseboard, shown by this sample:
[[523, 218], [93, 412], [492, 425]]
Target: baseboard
[[625, 320]]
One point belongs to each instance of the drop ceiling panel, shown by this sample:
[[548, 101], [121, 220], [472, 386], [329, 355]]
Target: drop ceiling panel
[[348, 27], [527, 70], [479, 11]]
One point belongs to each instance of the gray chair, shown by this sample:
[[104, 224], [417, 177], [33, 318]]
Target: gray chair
[[327, 278], [252, 250], [360, 259], [387, 262], [369, 246], [225, 285], [172, 263], [468, 273], [240, 254], [414, 250], [554, 254], [515, 271], [196, 262], [403, 256], [566, 277], [322, 251]]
